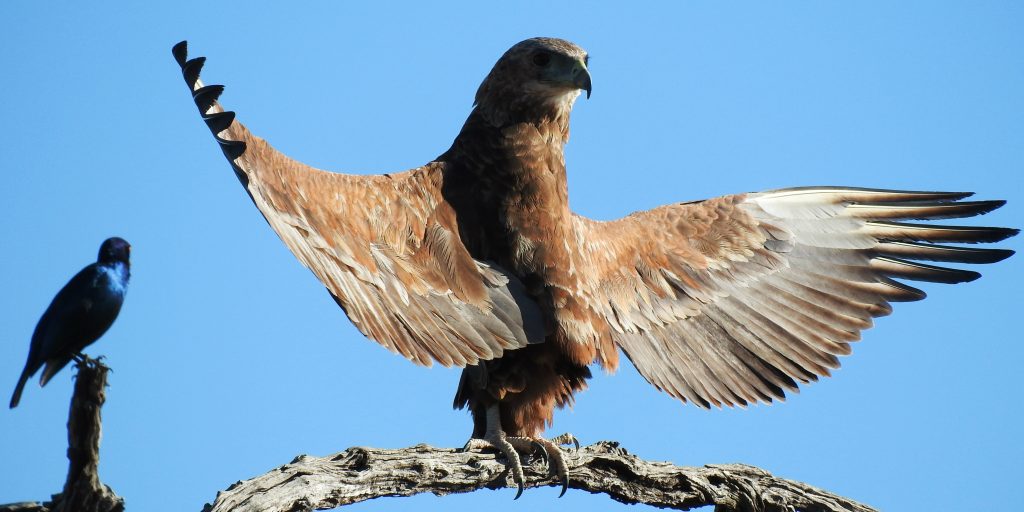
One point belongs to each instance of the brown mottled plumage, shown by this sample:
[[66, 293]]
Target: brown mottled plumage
[[475, 259]]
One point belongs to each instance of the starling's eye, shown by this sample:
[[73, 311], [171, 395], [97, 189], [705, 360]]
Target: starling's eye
[[542, 58], [586, 60]]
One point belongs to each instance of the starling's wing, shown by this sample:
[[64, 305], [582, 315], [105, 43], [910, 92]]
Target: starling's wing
[[71, 304], [70, 323], [735, 299], [386, 247]]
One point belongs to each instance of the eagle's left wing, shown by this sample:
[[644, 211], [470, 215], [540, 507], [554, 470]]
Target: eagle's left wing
[[385, 246], [733, 300]]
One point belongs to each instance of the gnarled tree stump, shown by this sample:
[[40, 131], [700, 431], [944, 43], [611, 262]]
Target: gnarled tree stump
[[83, 491]]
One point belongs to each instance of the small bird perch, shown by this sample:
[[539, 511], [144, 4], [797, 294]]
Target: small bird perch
[[83, 491]]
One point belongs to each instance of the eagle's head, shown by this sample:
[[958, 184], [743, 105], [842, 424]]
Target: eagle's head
[[538, 79]]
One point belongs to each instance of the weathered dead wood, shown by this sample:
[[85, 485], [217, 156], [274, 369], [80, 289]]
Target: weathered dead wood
[[26, 506], [83, 491], [359, 474]]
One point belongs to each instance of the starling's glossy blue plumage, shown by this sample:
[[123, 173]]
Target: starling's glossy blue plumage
[[80, 313]]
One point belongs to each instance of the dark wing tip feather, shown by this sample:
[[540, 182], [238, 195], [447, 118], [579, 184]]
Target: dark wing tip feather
[[941, 209], [895, 267], [180, 52], [893, 291], [995, 203], [935, 252], [191, 70], [900, 231], [204, 98], [232, 150], [861, 194], [220, 121]]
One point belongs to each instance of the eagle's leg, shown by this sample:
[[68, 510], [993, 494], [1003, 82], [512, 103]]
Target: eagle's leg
[[510, 446]]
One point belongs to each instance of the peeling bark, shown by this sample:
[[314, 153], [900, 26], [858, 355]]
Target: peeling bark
[[359, 474]]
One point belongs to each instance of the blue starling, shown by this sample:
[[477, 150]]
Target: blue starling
[[80, 313]]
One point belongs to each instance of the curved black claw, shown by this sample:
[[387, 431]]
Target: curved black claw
[[520, 491], [556, 463], [566, 439], [543, 451]]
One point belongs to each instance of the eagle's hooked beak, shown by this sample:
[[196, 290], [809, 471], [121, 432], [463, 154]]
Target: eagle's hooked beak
[[569, 72], [581, 77]]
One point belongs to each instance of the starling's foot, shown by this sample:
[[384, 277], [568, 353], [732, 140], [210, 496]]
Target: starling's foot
[[82, 358]]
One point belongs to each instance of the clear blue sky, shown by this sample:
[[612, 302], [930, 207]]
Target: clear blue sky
[[230, 359]]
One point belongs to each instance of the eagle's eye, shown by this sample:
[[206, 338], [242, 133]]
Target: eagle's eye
[[541, 58]]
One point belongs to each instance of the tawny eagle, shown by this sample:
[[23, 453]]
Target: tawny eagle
[[475, 260]]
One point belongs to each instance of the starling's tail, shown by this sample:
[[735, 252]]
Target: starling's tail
[[20, 387], [52, 367]]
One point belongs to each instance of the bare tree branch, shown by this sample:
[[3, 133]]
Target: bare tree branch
[[359, 474], [83, 491], [25, 506]]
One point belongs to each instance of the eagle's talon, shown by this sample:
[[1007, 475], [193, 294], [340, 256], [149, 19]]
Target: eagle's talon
[[538, 447], [505, 446], [566, 439]]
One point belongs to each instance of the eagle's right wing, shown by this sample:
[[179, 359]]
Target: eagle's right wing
[[386, 247], [733, 300]]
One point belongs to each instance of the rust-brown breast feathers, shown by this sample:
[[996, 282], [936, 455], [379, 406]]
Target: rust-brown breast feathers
[[736, 299], [385, 246]]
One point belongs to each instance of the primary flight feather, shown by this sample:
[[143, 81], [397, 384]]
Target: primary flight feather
[[475, 260]]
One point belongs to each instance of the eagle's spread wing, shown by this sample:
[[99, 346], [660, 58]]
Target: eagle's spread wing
[[386, 247], [735, 299]]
